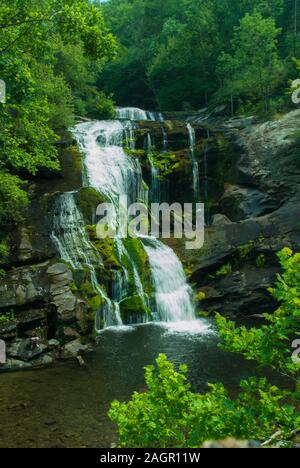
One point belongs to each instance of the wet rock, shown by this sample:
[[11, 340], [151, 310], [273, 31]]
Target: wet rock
[[23, 350], [70, 334], [31, 318], [74, 349], [53, 344], [24, 285], [220, 220], [8, 330], [62, 297], [43, 361], [131, 306], [60, 273], [26, 249], [81, 361], [66, 307], [268, 157], [14, 365], [242, 291], [244, 202]]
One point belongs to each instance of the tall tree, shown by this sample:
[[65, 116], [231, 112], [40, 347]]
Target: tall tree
[[253, 70]]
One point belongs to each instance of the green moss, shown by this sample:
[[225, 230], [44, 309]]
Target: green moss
[[188, 270], [261, 261], [224, 270], [133, 305], [135, 153], [87, 200], [105, 247], [136, 259], [201, 296], [222, 143], [96, 302], [4, 248], [7, 317], [73, 287], [203, 314], [87, 289], [170, 162], [245, 250]]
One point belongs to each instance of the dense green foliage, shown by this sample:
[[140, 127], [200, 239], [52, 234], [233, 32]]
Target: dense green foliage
[[51, 52], [169, 414], [271, 343], [185, 54]]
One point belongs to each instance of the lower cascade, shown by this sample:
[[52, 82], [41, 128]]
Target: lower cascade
[[112, 173], [172, 293]]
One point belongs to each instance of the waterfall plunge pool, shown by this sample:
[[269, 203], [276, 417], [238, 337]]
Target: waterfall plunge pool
[[66, 406]]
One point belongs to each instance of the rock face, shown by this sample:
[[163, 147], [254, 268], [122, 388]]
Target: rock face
[[43, 304], [38, 299], [255, 216]]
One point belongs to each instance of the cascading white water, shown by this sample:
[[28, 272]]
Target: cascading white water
[[112, 172], [107, 167], [195, 165], [69, 234], [133, 113], [172, 292], [73, 244]]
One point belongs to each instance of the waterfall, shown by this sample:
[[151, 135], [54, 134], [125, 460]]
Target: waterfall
[[133, 113], [155, 188], [107, 167], [69, 234], [72, 242], [113, 173], [158, 187], [195, 165], [172, 293]]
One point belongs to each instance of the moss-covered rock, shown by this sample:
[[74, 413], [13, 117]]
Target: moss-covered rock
[[105, 247], [139, 258], [133, 305], [172, 162], [94, 301], [87, 200]]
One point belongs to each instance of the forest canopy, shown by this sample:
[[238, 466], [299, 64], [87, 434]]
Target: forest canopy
[[51, 53], [185, 54]]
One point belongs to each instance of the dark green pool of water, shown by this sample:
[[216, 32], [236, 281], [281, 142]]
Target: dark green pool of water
[[66, 406]]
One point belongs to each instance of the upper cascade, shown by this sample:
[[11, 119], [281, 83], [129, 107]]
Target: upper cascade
[[133, 113]]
